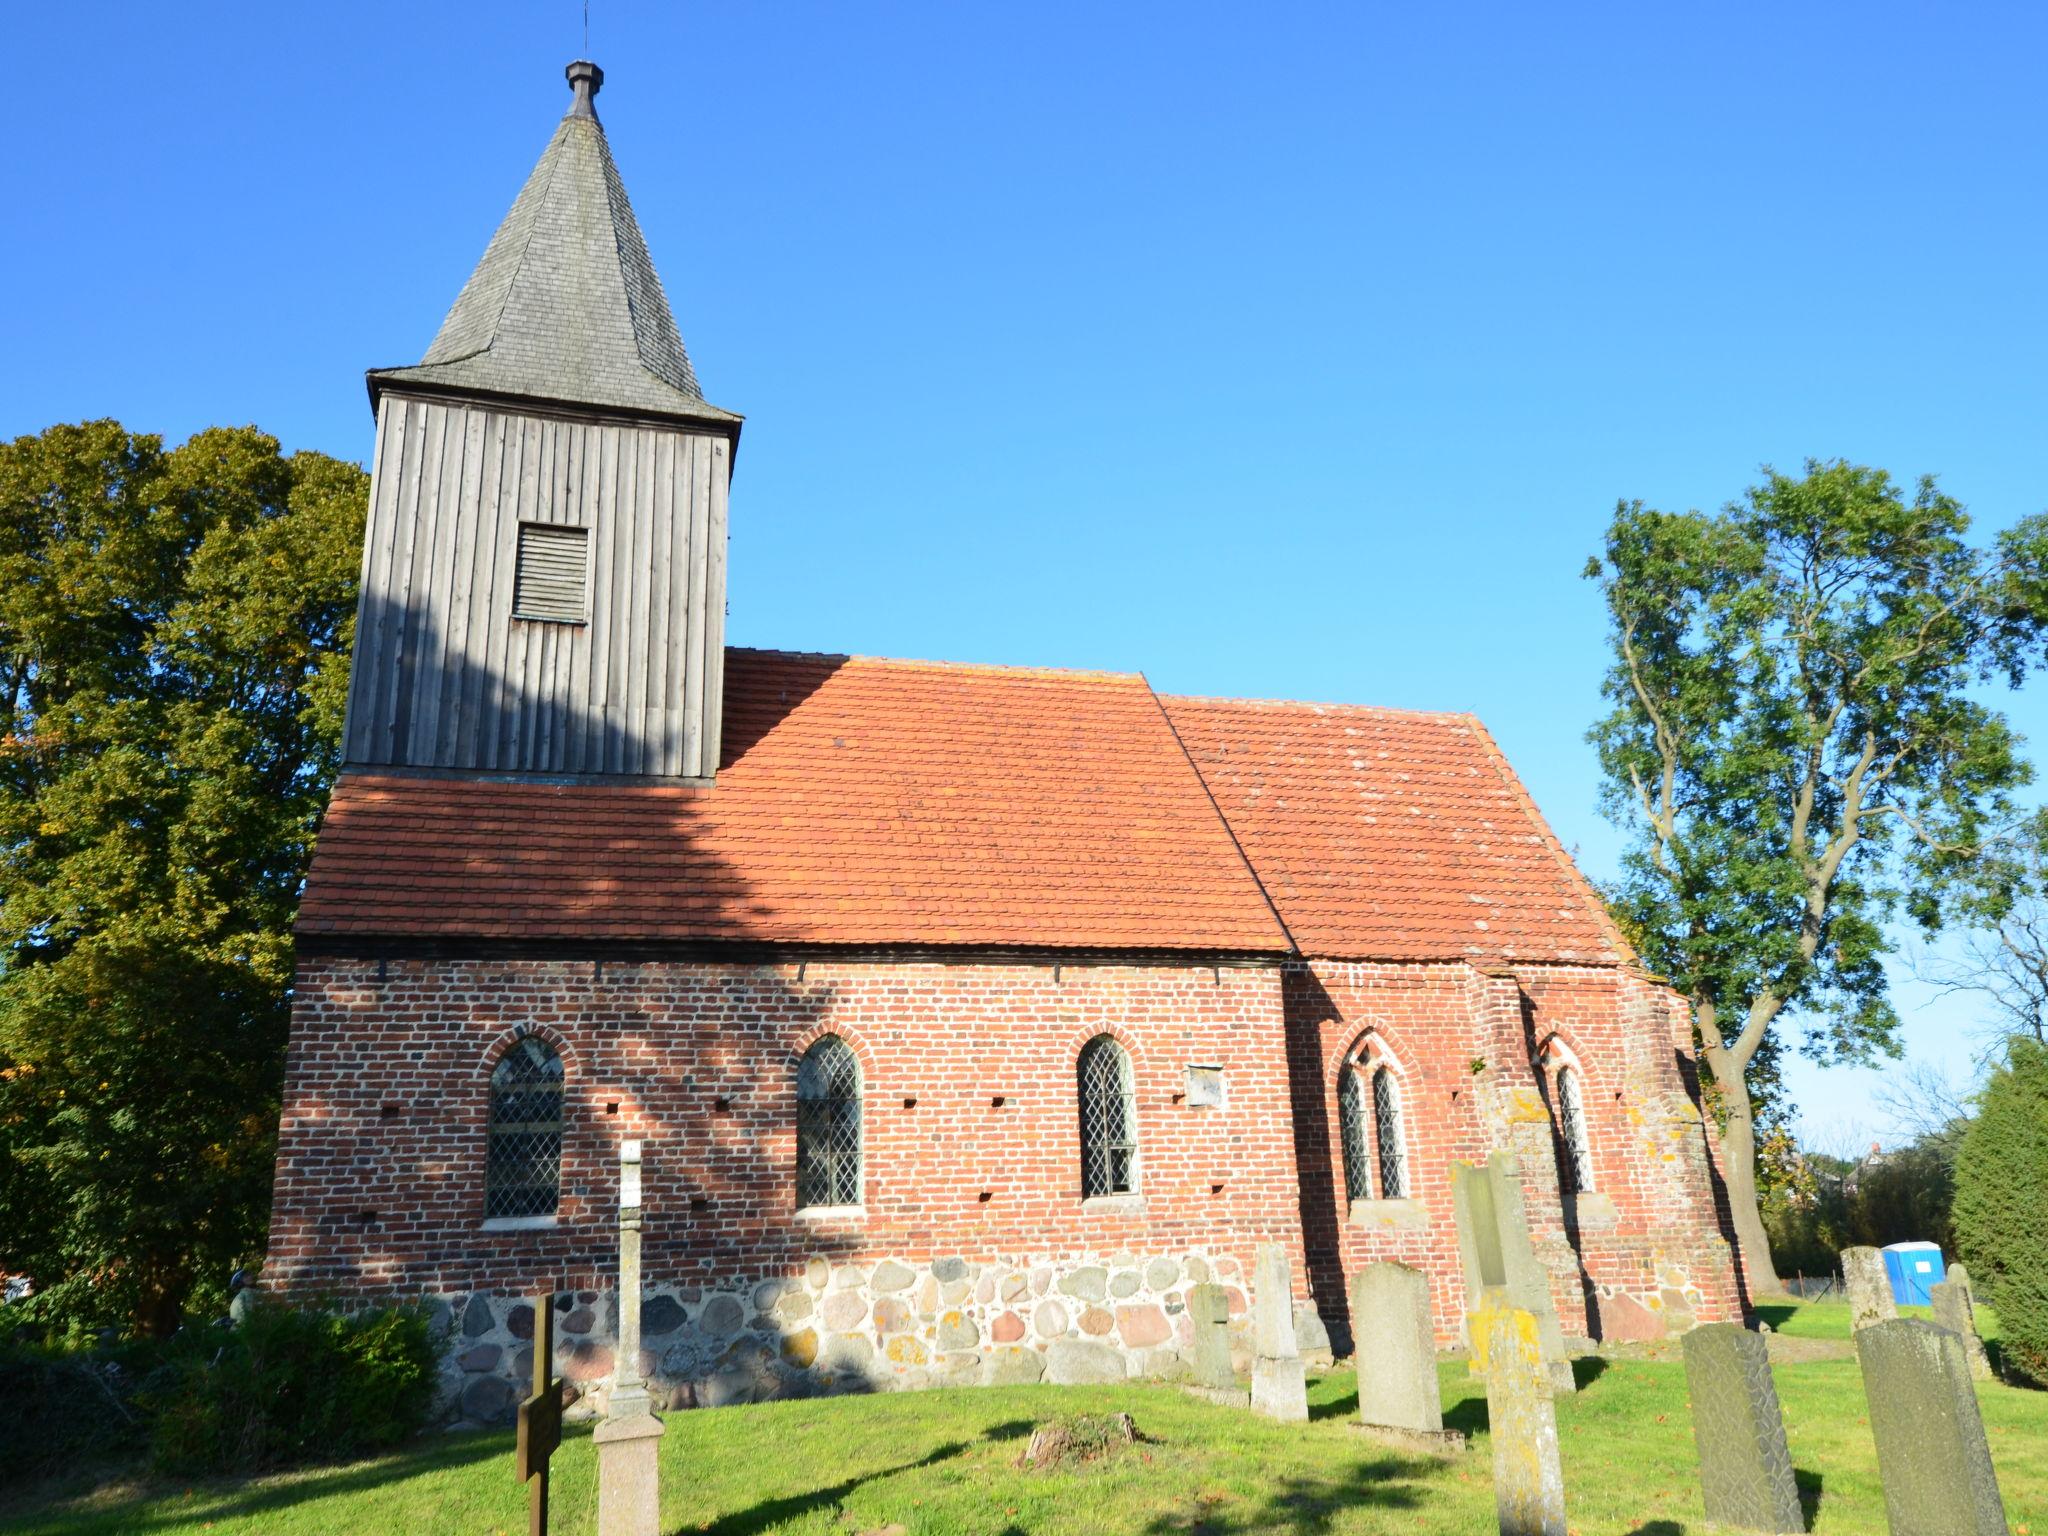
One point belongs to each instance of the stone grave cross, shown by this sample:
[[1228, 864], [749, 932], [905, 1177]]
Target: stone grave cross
[[540, 1418]]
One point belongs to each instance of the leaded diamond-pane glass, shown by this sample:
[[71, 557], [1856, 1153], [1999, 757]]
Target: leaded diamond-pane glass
[[1351, 1126], [828, 1125], [1386, 1114], [1109, 1119], [523, 1172], [1572, 1113]]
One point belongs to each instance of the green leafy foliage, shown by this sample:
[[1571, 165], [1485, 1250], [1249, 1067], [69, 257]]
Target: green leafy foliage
[[289, 1386], [1797, 752], [1829, 1204], [2001, 1204], [174, 639]]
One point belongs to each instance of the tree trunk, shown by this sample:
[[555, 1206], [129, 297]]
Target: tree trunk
[[1738, 1169]]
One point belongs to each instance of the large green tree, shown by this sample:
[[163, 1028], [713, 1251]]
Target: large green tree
[[174, 638], [1796, 752]]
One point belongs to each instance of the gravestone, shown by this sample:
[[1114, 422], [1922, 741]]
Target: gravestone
[[1955, 1309], [1528, 1483], [1931, 1452], [1279, 1383], [1869, 1287], [1745, 1466], [1213, 1378], [1398, 1397], [1494, 1247]]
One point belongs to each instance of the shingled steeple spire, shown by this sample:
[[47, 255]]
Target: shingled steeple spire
[[565, 304], [544, 569]]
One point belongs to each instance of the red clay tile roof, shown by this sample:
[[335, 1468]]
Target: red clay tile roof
[[859, 802], [1386, 834]]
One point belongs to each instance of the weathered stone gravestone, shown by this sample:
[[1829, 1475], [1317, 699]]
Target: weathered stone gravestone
[[1279, 1383], [1528, 1483], [1956, 1310], [1745, 1466], [1931, 1452], [1494, 1247], [1398, 1396], [1209, 1368], [1869, 1287]]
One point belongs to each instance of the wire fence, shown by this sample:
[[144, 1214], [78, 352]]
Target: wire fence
[[1814, 1287]]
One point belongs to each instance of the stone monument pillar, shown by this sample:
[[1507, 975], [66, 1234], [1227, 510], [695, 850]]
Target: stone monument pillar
[[1528, 1480], [629, 1439], [1931, 1452], [1496, 1252], [1745, 1465], [1279, 1383], [1956, 1310], [1869, 1287]]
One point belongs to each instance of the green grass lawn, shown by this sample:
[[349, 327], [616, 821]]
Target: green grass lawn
[[943, 1462]]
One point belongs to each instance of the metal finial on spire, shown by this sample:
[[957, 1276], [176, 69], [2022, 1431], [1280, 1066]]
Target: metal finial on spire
[[586, 80]]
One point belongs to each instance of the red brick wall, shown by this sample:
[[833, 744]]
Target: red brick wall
[[380, 1164], [1462, 1043], [386, 1096]]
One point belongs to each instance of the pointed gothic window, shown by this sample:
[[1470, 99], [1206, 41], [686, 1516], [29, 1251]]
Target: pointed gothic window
[[1352, 1123], [1571, 1116], [1386, 1114], [1109, 1119], [828, 1124], [523, 1169], [1369, 1126]]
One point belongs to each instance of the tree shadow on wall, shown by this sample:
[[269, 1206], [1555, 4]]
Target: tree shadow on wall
[[1724, 1208], [607, 878]]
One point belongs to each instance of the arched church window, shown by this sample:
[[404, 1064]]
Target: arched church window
[[1386, 1115], [523, 1168], [1354, 1123], [828, 1124], [1571, 1116], [1109, 1119]]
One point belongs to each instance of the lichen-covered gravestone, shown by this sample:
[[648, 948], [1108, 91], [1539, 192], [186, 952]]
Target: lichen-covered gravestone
[[1398, 1397], [1495, 1250], [1931, 1452], [1279, 1383], [1955, 1309], [1528, 1483], [1209, 1315], [1869, 1287], [1745, 1466]]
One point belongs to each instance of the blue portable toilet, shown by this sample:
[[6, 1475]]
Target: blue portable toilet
[[1913, 1267]]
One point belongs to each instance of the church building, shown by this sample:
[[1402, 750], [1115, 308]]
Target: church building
[[967, 1015]]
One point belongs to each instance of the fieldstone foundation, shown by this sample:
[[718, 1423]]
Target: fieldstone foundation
[[892, 1325]]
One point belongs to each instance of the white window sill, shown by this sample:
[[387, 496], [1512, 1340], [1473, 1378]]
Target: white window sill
[[1114, 1205], [1389, 1213], [519, 1223], [831, 1213]]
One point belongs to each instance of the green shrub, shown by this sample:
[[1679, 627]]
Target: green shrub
[[291, 1386], [83, 1405], [2001, 1206]]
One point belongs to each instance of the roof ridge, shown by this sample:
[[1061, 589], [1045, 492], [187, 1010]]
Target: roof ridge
[[1324, 704], [925, 664]]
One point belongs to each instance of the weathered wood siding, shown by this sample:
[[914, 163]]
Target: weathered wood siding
[[446, 677]]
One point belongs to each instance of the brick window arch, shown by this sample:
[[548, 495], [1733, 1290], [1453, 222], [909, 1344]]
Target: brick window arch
[[828, 1131], [1109, 1119], [1369, 1125], [523, 1166]]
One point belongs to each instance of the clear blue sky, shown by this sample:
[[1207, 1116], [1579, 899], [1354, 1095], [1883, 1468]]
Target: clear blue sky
[[1283, 350]]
